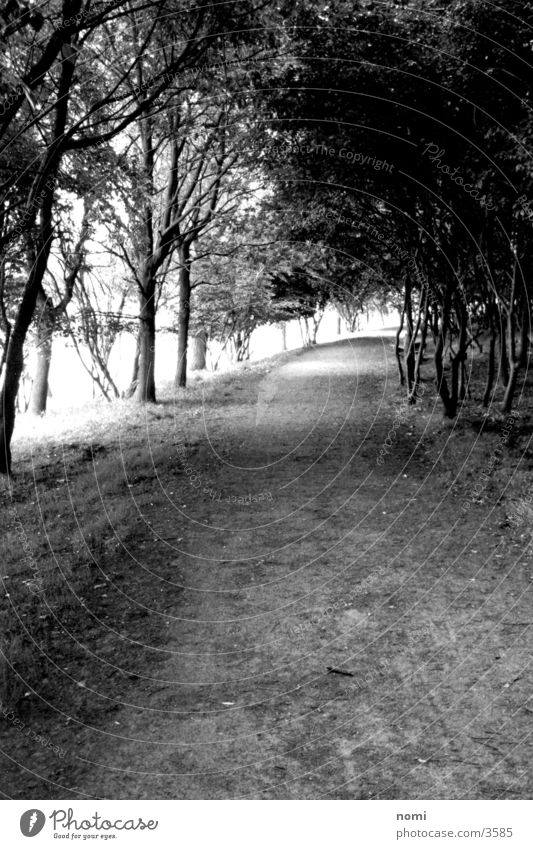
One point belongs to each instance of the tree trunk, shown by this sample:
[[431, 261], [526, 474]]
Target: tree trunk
[[450, 405], [39, 394], [513, 361], [491, 364], [45, 336], [241, 344], [504, 360], [45, 181], [4, 320], [14, 363], [283, 328], [512, 358], [409, 344], [198, 351], [304, 331], [434, 323], [458, 360], [130, 391], [508, 397], [13, 372], [397, 348], [525, 329], [423, 339], [418, 353], [145, 389], [183, 315]]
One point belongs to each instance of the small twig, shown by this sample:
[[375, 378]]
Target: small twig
[[339, 671], [516, 624]]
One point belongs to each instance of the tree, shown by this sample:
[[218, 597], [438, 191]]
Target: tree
[[82, 107], [99, 316], [301, 294], [370, 141], [71, 263], [230, 299]]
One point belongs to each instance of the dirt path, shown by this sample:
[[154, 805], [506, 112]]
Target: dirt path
[[273, 548]]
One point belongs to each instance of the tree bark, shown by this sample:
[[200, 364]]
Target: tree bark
[[40, 389], [241, 344], [183, 314], [14, 363], [316, 324], [409, 344], [491, 368], [423, 339], [504, 360], [512, 358], [525, 330], [397, 348], [508, 397], [450, 405], [130, 391], [491, 362], [198, 346], [458, 360], [304, 331], [145, 389], [41, 198], [13, 372]]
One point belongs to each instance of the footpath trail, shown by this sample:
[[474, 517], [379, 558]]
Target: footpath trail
[[276, 550]]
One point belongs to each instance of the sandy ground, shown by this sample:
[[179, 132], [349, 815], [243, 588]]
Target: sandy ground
[[265, 548]]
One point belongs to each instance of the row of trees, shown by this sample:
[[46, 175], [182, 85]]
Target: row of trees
[[405, 132], [138, 111], [250, 162]]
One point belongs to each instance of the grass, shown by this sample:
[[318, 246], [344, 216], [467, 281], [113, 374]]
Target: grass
[[70, 516]]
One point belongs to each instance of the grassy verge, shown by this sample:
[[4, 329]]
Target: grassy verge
[[71, 525]]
